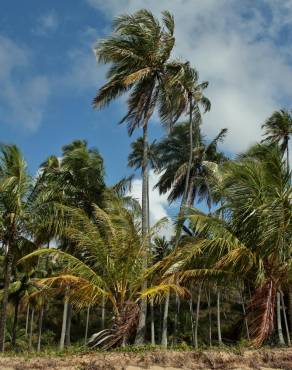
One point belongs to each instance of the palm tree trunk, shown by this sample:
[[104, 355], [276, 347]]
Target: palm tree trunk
[[7, 278], [185, 193], [64, 322], [197, 316], [192, 319], [13, 340], [244, 315], [176, 317], [152, 322], [164, 322], [279, 321], [27, 319], [285, 320], [31, 329], [41, 317], [102, 312], [86, 325], [208, 295], [68, 325], [219, 319], [141, 329]]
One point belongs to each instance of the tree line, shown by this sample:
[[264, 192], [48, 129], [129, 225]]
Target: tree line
[[80, 256]]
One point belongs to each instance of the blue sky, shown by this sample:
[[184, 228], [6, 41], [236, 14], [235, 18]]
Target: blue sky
[[48, 73]]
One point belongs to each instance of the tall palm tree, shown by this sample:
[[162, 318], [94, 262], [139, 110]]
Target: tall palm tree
[[187, 95], [278, 129], [15, 184], [138, 52], [254, 241]]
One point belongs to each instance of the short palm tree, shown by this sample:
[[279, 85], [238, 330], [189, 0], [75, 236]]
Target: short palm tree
[[110, 267], [278, 129]]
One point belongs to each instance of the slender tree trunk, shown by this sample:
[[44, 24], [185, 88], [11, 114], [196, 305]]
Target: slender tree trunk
[[31, 329], [41, 317], [279, 321], [285, 320], [197, 316], [64, 322], [141, 329], [176, 317], [164, 323], [244, 315], [86, 325], [208, 295], [13, 340], [27, 319], [192, 319], [102, 312], [219, 319], [152, 322], [7, 278], [68, 325], [185, 193]]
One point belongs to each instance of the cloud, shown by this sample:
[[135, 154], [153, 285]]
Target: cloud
[[159, 206], [23, 96], [241, 48], [47, 23]]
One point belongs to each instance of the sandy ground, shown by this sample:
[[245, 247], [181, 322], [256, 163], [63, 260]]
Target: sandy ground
[[157, 360]]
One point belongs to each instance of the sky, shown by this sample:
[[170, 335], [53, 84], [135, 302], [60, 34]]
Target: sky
[[49, 76]]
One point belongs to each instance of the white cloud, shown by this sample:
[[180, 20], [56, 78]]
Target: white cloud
[[22, 99], [47, 23], [158, 204], [237, 46]]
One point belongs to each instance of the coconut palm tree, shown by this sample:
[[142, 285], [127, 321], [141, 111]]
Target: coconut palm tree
[[254, 241], [278, 129], [15, 184], [111, 267], [138, 52]]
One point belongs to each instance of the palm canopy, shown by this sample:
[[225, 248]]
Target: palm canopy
[[109, 262], [135, 158], [173, 160], [254, 240], [278, 129], [138, 51]]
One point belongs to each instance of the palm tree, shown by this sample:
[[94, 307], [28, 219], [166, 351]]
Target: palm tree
[[138, 52], [174, 159], [187, 94], [111, 267], [278, 129], [253, 242], [14, 186]]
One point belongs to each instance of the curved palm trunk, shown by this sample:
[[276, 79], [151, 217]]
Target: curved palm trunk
[[208, 296], [64, 322], [285, 320], [13, 340], [7, 278], [176, 317], [164, 322], [185, 193], [279, 321]]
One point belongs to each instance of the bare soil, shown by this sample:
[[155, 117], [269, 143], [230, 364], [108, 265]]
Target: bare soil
[[157, 360]]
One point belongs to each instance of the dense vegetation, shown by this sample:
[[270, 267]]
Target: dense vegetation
[[80, 258]]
